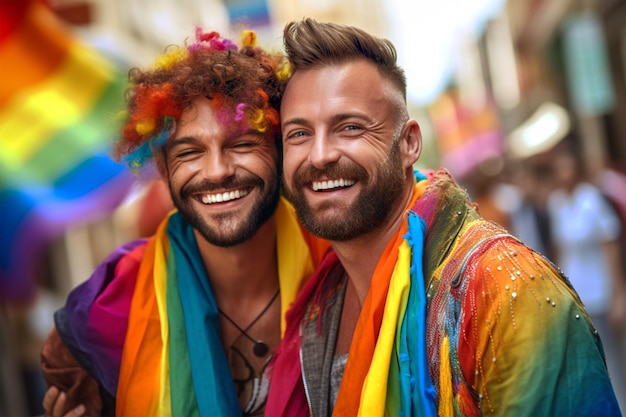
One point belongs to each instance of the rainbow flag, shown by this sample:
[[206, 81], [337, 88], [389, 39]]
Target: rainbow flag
[[58, 100]]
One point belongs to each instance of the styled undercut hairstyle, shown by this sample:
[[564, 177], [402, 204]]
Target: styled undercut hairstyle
[[245, 86], [310, 44]]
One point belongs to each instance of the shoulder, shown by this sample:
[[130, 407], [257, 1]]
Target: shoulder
[[112, 281], [118, 265], [129, 255], [486, 260], [521, 279], [508, 275], [521, 322], [93, 322]]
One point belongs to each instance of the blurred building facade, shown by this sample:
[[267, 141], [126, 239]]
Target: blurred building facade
[[568, 52], [572, 52]]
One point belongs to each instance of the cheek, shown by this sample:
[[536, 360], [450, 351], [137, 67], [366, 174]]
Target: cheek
[[296, 154], [180, 174], [261, 165], [271, 167], [291, 161]]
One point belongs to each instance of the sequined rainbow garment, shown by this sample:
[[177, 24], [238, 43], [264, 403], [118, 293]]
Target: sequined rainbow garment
[[461, 319], [146, 325]]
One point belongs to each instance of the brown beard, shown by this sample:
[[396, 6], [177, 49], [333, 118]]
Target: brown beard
[[337, 221], [246, 228]]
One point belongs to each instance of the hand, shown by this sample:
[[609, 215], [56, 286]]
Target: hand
[[54, 404]]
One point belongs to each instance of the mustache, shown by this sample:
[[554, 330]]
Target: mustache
[[310, 173], [206, 186]]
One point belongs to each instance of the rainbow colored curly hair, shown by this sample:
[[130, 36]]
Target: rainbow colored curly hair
[[245, 86]]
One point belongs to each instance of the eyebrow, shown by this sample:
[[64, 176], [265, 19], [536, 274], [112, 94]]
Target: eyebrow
[[334, 119], [183, 140], [190, 139], [295, 121]]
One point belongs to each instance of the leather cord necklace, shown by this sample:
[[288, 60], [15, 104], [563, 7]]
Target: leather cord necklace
[[260, 348]]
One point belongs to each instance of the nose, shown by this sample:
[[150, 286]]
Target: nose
[[324, 150], [217, 167]]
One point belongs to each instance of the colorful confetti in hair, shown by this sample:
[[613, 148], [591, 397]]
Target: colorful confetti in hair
[[244, 84]]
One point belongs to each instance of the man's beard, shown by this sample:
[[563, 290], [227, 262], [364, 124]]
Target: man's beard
[[234, 227], [372, 208]]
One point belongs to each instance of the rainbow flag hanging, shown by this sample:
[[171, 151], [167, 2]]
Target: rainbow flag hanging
[[58, 100]]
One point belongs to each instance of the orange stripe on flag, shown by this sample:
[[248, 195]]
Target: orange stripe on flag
[[32, 52], [59, 102]]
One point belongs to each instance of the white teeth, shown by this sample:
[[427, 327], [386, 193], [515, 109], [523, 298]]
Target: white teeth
[[328, 184], [223, 197]]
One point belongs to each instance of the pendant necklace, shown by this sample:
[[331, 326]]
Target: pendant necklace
[[260, 348]]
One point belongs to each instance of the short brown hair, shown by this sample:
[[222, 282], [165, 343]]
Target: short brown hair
[[312, 44]]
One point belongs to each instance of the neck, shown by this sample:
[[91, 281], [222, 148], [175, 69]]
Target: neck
[[360, 256], [243, 273]]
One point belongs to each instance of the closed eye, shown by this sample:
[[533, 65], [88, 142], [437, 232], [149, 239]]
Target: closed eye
[[186, 153], [244, 144], [248, 140]]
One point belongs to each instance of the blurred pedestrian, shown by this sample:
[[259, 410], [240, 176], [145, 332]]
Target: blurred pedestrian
[[529, 216], [585, 232]]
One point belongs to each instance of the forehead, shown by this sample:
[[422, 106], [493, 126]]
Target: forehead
[[355, 83], [198, 116], [203, 118], [203, 123]]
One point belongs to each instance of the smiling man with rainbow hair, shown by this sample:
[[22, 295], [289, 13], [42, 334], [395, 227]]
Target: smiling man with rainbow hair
[[184, 323]]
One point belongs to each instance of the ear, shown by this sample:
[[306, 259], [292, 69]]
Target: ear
[[411, 144]]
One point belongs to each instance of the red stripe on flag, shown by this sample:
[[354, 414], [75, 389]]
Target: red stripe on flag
[[33, 51]]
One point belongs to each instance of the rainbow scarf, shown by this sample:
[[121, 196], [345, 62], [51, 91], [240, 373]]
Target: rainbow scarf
[[383, 380], [387, 380], [57, 101], [148, 315]]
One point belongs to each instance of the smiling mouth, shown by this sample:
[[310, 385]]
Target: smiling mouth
[[331, 184], [212, 198]]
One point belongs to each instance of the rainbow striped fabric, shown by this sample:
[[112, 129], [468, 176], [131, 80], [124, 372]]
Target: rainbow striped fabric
[[146, 324], [58, 100], [461, 319]]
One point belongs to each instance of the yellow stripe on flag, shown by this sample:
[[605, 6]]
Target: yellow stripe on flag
[[295, 263], [41, 112], [374, 391], [164, 406]]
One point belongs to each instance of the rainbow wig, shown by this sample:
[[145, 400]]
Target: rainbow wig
[[244, 84]]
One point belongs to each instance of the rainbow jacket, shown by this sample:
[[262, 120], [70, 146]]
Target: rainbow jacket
[[461, 319], [145, 325]]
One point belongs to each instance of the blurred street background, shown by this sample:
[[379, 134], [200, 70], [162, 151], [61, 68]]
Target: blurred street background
[[501, 88]]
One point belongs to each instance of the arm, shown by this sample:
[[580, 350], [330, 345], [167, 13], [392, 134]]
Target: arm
[[61, 370], [93, 324], [533, 350]]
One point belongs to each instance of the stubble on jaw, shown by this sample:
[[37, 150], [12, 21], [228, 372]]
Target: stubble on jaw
[[232, 228], [338, 221]]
